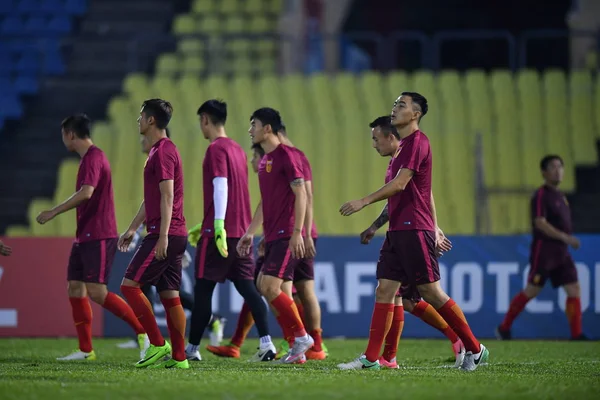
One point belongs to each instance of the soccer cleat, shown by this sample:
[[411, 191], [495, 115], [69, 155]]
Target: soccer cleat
[[193, 355], [459, 352], [264, 354], [230, 351], [502, 334], [79, 355], [130, 344], [325, 349], [217, 325], [301, 345], [316, 355], [361, 363], [154, 354], [392, 364], [143, 343], [472, 361], [581, 337], [171, 363], [284, 348]]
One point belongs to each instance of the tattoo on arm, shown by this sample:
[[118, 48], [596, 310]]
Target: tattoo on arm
[[298, 182], [382, 219]]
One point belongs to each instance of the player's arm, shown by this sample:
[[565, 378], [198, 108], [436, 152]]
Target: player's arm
[[220, 197], [391, 188], [4, 249], [547, 229], [369, 233], [128, 236], [308, 220], [166, 213], [244, 246], [296, 242], [442, 243], [80, 196]]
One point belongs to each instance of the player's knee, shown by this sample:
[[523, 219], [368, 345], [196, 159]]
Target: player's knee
[[573, 289], [97, 292], [408, 305], [532, 291], [385, 294], [269, 290], [76, 289], [433, 294]]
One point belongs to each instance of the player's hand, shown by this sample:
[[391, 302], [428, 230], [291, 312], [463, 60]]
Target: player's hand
[[367, 235], [244, 246], [309, 247], [134, 242], [221, 237], [573, 242], [261, 247], [5, 250], [352, 207], [442, 243], [161, 247], [297, 245], [186, 261], [125, 240], [45, 216], [194, 235]]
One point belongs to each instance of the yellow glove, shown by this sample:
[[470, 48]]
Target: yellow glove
[[221, 237], [194, 235]]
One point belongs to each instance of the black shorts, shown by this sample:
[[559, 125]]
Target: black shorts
[[212, 266], [91, 261]]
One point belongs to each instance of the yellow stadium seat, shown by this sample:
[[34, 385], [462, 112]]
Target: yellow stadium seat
[[228, 6], [582, 132], [190, 47], [193, 64], [253, 6], [203, 6], [260, 24], [184, 25], [18, 231], [134, 82], [168, 64], [275, 6], [209, 24], [50, 228], [265, 47], [235, 23]]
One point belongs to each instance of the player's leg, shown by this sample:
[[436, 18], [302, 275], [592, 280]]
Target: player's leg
[[148, 291], [392, 339], [201, 315], [306, 292], [518, 303], [566, 276], [80, 307]]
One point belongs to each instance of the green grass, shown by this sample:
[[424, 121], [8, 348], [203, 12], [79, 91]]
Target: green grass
[[517, 370]]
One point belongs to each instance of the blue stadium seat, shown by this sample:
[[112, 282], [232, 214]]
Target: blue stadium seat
[[28, 6], [29, 63], [36, 26], [53, 64], [5, 85], [76, 7], [60, 24], [26, 84], [10, 107], [12, 25], [6, 6], [52, 7]]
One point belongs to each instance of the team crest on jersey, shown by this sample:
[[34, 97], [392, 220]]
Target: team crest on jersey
[[269, 166]]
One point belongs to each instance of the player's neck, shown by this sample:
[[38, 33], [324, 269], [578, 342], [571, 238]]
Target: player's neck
[[395, 148], [407, 130], [551, 185], [270, 144], [286, 141], [155, 136], [83, 147], [219, 132]]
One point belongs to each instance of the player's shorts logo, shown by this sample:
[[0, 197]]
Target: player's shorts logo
[[536, 279], [269, 165]]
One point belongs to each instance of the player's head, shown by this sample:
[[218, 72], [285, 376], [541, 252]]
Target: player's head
[[212, 113], [264, 122], [385, 136], [154, 115], [553, 169], [257, 154], [408, 108], [75, 128]]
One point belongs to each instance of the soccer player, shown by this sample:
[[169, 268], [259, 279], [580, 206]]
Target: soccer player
[[549, 257], [5, 250], [409, 251], [283, 208], [95, 244], [386, 140], [158, 259], [227, 213]]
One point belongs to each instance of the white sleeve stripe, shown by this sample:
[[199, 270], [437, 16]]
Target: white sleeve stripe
[[220, 193]]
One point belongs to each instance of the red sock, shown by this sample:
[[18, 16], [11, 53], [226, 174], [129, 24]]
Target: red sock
[[288, 335], [430, 316], [517, 305], [287, 314], [300, 308], [121, 309], [383, 313], [393, 336], [573, 311], [454, 316], [82, 316], [244, 324], [316, 335], [143, 311], [176, 325]]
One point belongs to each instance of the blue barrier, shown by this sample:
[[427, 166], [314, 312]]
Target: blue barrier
[[482, 274]]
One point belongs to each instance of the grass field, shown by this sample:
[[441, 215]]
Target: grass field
[[517, 370]]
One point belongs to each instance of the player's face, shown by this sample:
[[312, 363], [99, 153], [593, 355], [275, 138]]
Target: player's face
[[143, 122], [68, 138], [204, 125], [402, 112], [145, 144], [554, 172], [256, 131], [255, 160], [381, 143]]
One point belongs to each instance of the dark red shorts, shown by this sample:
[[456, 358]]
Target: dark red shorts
[[548, 261], [164, 274], [409, 292], [408, 257], [91, 261], [304, 269], [259, 263], [212, 266], [278, 260]]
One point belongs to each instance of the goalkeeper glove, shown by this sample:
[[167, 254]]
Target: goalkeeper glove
[[221, 237], [194, 235]]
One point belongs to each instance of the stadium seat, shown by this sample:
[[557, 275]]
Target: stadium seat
[[253, 6], [12, 25], [235, 23], [167, 64], [10, 106], [209, 24], [582, 130], [6, 6], [51, 6], [190, 47], [184, 24], [18, 231], [60, 24], [67, 176], [203, 6], [260, 24], [25, 84], [28, 6], [227, 6], [75, 7], [48, 229]]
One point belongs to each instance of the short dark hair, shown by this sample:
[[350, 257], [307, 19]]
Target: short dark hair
[[79, 124], [168, 133], [160, 109], [385, 124], [257, 148], [282, 130], [420, 100], [268, 116], [548, 159], [216, 110]]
